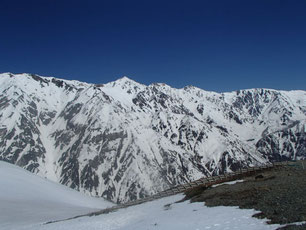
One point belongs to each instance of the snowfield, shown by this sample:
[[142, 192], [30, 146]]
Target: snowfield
[[28, 201], [159, 215]]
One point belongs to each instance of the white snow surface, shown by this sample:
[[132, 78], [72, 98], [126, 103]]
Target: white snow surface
[[166, 214], [27, 199], [229, 182]]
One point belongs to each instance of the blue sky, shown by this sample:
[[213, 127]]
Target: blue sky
[[219, 45]]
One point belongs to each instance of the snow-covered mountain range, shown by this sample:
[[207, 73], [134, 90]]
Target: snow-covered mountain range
[[124, 140]]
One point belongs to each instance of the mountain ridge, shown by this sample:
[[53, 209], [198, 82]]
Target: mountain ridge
[[127, 78], [124, 140]]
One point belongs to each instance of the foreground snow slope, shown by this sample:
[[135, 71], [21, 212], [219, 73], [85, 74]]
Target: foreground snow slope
[[158, 215], [27, 199]]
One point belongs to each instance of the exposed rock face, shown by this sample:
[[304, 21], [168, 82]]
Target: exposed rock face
[[124, 140]]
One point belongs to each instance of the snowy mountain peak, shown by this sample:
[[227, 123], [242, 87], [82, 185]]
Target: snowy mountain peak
[[124, 81], [124, 140], [125, 78]]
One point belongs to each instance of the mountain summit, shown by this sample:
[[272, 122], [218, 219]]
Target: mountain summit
[[124, 140]]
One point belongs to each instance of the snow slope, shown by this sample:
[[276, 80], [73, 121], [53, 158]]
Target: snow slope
[[27, 199], [164, 214]]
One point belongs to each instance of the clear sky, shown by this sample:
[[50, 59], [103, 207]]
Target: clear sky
[[219, 45]]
